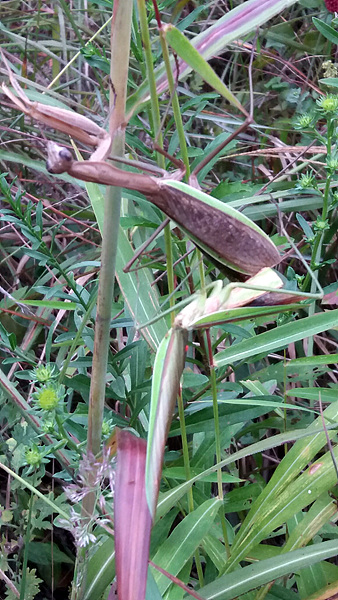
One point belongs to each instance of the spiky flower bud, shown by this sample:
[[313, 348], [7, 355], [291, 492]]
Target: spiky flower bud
[[307, 180], [332, 164], [33, 456], [47, 398], [44, 373], [304, 121], [328, 104], [321, 225]]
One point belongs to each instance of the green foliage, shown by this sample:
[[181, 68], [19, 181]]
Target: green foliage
[[268, 497], [31, 588]]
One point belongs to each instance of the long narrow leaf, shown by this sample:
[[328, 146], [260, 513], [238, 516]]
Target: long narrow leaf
[[184, 540], [283, 488], [326, 30], [279, 337], [283, 505], [235, 24], [168, 367], [100, 570], [242, 581], [195, 60], [131, 517]]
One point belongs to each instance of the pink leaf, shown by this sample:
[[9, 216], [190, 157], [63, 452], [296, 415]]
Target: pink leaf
[[132, 517]]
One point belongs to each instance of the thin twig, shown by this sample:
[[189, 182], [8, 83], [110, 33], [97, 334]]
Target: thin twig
[[145, 245]]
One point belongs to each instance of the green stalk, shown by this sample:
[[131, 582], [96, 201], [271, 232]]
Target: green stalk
[[185, 158], [65, 437], [155, 112], [175, 104], [120, 42], [120, 48], [319, 238], [27, 540], [185, 449], [75, 341], [187, 471], [213, 382]]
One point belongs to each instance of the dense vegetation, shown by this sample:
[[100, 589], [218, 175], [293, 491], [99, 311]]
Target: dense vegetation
[[105, 378]]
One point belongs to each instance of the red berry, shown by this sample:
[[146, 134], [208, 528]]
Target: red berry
[[331, 5]]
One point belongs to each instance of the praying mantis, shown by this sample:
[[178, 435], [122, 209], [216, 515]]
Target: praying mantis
[[222, 232]]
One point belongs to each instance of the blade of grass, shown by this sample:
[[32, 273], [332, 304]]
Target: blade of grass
[[243, 580]]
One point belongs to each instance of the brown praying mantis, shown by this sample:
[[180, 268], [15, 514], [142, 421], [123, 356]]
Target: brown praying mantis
[[203, 218], [220, 231]]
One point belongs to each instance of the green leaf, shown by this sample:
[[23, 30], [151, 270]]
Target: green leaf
[[152, 592], [278, 338], [311, 393], [329, 81], [41, 554], [195, 60], [179, 473], [169, 499], [326, 30], [100, 570], [52, 304], [307, 524], [289, 490], [249, 578], [191, 380], [183, 541]]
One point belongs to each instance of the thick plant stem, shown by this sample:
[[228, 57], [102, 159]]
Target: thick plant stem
[[119, 74], [120, 44]]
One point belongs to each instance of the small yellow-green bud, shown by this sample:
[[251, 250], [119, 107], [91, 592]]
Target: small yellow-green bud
[[107, 427], [321, 225], [44, 373], [47, 398], [304, 121], [332, 164], [307, 180], [33, 457], [328, 104]]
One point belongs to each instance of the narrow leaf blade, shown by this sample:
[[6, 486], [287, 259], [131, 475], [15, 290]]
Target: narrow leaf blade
[[131, 517], [279, 337]]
